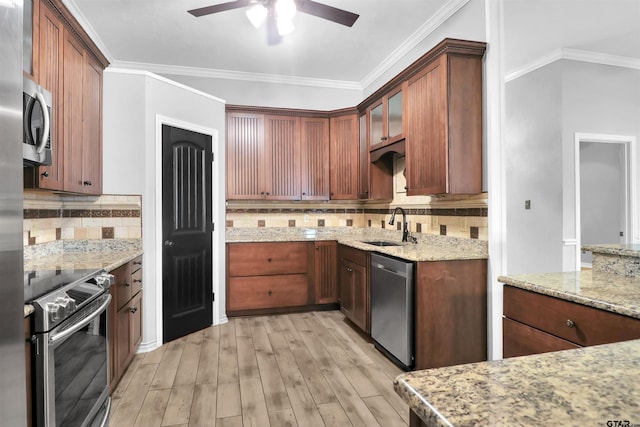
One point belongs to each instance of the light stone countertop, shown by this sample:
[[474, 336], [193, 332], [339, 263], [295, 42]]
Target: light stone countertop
[[606, 291], [429, 247], [582, 387], [627, 250]]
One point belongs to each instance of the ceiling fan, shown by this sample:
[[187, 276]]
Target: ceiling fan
[[279, 14]]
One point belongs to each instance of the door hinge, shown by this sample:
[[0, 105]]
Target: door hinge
[[213, 226], [213, 297], [622, 234], [213, 157]]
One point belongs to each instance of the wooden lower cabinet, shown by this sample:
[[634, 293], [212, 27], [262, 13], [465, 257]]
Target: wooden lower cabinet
[[534, 323], [276, 277], [451, 313], [353, 278], [125, 319]]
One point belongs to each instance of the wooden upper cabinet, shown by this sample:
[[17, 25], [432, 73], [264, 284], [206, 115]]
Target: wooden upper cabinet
[[92, 127], [48, 71], [444, 123], [245, 156], [387, 118], [364, 166], [282, 156], [344, 157], [73, 113], [314, 145]]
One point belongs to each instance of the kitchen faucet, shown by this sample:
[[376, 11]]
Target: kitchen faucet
[[405, 228]]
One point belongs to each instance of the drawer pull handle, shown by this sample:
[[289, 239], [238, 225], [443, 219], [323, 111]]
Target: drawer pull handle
[[570, 323], [133, 310], [137, 281], [349, 270], [270, 293], [126, 284]]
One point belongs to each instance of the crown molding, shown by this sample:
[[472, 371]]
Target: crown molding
[[574, 55], [239, 75], [444, 13], [88, 28], [114, 69]]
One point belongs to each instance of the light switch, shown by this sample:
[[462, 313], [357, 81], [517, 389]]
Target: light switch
[[527, 204]]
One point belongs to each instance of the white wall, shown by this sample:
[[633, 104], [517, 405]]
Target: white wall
[[135, 105], [278, 95], [533, 170], [599, 99], [544, 111]]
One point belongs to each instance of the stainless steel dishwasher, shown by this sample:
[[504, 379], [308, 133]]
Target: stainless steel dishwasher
[[392, 308]]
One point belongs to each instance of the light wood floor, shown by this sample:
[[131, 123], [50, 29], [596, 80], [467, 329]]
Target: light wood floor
[[306, 369]]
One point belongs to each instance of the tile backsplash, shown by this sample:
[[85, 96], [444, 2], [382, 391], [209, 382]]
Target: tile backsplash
[[457, 216], [49, 217]]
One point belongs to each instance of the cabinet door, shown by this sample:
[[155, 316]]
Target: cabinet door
[[135, 322], [73, 113], [245, 156], [427, 131], [360, 289], [123, 338], [364, 166], [345, 275], [282, 157], [92, 127], [49, 71], [395, 114], [344, 157], [376, 124], [325, 272], [314, 141], [114, 373]]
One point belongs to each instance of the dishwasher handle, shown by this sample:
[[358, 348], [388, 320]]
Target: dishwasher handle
[[385, 268]]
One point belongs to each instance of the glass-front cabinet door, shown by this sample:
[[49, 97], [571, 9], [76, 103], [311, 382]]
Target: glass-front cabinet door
[[394, 116], [377, 132]]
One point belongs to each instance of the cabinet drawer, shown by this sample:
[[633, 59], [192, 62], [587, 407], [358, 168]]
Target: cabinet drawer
[[246, 293], [260, 259], [123, 285], [574, 322], [136, 281], [354, 255], [523, 340]]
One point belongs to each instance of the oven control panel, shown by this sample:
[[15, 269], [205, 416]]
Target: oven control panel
[[61, 308]]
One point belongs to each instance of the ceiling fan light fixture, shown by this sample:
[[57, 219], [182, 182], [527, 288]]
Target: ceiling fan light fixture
[[285, 9], [257, 14], [285, 26]]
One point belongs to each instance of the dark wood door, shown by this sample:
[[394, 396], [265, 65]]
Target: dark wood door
[[245, 156], [49, 72], [314, 141], [344, 157], [186, 232], [282, 157], [427, 131]]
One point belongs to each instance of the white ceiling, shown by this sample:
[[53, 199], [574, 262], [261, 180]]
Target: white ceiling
[[161, 32]]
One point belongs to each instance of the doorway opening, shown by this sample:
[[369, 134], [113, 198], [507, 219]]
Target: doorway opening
[[605, 177]]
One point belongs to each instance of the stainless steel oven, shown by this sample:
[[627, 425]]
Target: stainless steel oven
[[71, 353]]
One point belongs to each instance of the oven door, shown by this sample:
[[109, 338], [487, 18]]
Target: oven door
[[71, 367]]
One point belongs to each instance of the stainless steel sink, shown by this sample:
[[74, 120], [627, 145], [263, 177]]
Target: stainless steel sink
[[381, 243]]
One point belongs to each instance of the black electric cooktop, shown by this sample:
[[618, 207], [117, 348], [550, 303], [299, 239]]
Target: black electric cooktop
[[41, 282]]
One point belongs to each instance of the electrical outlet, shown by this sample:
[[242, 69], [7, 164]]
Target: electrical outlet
[[306, 218], [527, 204]]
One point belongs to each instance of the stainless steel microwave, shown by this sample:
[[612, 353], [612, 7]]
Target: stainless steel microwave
[[36, 116]]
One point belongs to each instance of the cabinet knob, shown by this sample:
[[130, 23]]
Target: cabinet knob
[[349, 270], [269, 259], [88, 183], [133, 310], [45, 174], [270, 293], [127, 284], [304, 194], [383, 138], [168, 243], [570, 323]]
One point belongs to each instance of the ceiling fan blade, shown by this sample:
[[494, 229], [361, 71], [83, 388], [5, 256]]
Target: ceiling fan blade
[[273, 36], [219, 7], [327, 12]]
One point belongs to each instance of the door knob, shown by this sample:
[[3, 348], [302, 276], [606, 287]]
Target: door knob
[[168, 243]]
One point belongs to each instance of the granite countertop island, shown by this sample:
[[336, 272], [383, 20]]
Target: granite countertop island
[[586, 386], [428, 247]]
